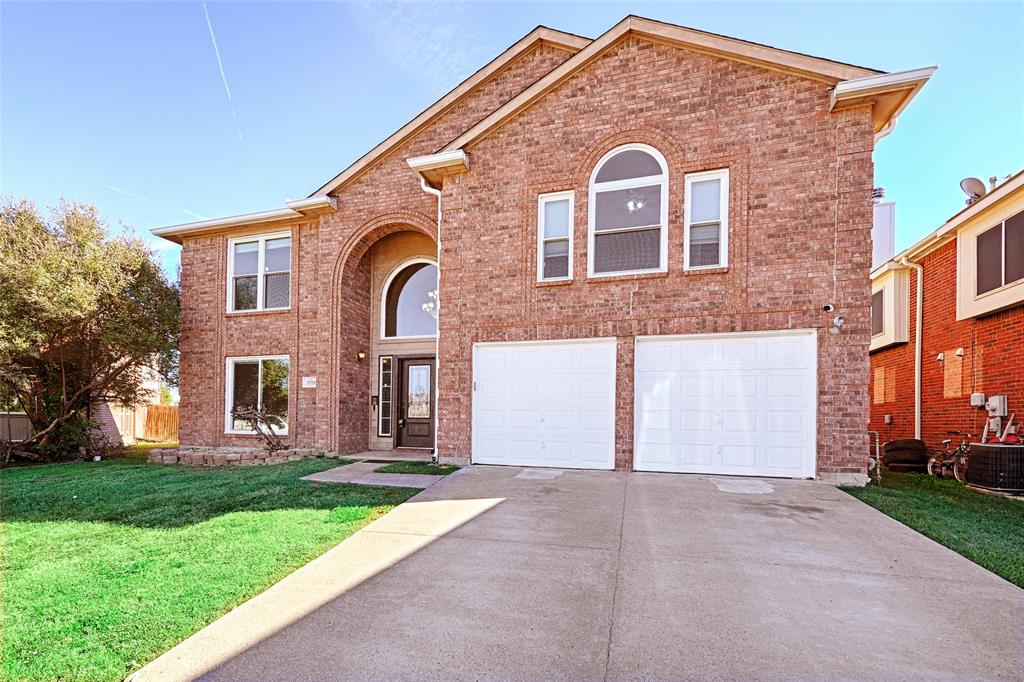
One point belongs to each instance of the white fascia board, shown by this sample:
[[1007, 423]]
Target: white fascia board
[[886, 267], [858, 87], [294, 209], [230, 221], [310, 203], [455, 157]]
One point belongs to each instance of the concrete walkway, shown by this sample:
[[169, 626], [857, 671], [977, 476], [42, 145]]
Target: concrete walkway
[[365, 473], [501, 573]]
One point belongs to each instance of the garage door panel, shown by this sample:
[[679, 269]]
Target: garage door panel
[[696, 420], [525, 419], [654, 355], [742, 354], [784, 386], [560, 397], [739, 386], [748, 407], [558, 389], [783, 458]]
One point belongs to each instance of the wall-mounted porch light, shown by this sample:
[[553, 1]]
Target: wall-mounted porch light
[[360, 356]]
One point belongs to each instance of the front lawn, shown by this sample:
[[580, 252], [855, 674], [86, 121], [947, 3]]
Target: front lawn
[[428, 468], [106, 565], [987, 529]]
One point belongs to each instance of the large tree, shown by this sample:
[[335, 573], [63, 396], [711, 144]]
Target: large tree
[[82, 317]]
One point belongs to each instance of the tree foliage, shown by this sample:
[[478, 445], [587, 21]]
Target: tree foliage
[[82, 318]]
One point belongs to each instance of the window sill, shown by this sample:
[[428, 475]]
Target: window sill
[[552, 282], [627, 278], [256, 313], [250, 434], [706, 271]]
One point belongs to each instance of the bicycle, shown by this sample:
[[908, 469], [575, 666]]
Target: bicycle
[[954, 459]]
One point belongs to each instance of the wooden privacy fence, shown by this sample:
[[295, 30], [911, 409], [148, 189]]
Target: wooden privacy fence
[[161, 423], [14, 426]]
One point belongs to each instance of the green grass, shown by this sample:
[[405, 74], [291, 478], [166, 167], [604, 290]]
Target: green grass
[[141, 449], [106, 565], [417, 468], [987, 529]]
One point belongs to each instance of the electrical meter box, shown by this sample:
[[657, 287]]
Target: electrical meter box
[[996, 405], [977, 400]]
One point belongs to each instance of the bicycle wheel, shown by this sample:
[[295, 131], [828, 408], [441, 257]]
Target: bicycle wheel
[[933, 466], [960, 469]]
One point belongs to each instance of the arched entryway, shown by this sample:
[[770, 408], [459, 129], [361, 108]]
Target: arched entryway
[[384, 338]]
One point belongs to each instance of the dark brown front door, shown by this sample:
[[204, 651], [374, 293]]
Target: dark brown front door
[[416, 403]]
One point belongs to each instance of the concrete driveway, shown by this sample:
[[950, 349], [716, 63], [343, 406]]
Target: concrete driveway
[[506, 573]]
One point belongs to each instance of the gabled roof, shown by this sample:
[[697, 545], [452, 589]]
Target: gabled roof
[[825, 70], [541, 34]]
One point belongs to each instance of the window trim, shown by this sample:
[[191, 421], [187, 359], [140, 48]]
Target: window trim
[[380, 399], [646, 181], [881, 331], [542, 201], [261, 240], [384, 298], [1001, 225], [229, 389], [721, 174]]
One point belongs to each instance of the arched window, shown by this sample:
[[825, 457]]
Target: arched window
[[628, 214], [410, 300]]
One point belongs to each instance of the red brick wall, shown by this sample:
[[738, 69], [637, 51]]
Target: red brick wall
[[993, 355], [800, 220]]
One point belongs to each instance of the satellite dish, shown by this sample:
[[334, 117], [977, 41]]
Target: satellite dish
[[973, 188]]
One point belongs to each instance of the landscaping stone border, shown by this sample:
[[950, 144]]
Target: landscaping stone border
[[198, 456]]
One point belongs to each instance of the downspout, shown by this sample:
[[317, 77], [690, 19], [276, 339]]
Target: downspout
[[437, 337], [918, 329]]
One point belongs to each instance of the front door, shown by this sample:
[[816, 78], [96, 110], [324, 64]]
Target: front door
[[416, 403]]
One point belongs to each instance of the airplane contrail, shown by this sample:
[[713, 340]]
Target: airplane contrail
[[231, 102]]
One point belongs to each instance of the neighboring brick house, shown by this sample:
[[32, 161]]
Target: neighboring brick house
[[972, 338], [636, 238]]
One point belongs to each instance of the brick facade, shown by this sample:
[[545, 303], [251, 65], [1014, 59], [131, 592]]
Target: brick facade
[[799, 219], [993, 348]]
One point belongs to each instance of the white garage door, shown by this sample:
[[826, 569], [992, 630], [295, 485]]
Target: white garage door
[[727, 404], [545, 403]]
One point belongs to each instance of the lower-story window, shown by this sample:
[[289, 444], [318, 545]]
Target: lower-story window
[[257, 382]]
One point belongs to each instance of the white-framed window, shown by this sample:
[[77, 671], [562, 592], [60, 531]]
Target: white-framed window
[[706, 220], [877, 312], [890, 306], [627, 230], [259, 272], [260, 382], [386, 388], [999, 255], [409, 302], [554, 236]]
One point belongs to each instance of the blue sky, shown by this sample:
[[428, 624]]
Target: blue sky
[[124, 104]]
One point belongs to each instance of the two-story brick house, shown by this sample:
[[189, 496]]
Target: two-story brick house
[[645, 251]]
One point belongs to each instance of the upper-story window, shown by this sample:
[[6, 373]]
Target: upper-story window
[[409, 301], [877, 312], [554, 236], [1000, 255], [706, 220], [628, 212], [259, 272]]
